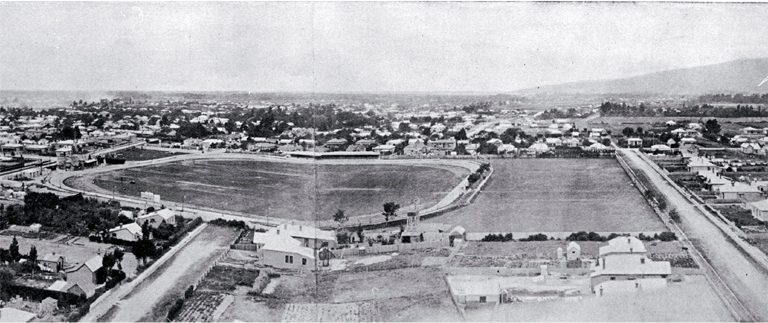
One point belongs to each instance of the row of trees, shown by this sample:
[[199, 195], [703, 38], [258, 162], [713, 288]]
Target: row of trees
[[704, 110]]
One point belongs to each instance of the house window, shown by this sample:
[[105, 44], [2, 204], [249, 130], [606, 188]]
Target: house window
[[613, 278], [288, 259], [642, 261], [482, 299], [303, 261]]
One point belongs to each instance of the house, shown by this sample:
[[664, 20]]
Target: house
[[634, 142], [687, 141], [745, 192], [308, 236], [660, 148], [51, 262], [127, 232], [539, 147], [384, 149], [441, 146], [156, 218], [287, 256], [759, 210], [475, 291], [596, 146], [750, 148], [697, 164], [552, 142], [625, 259], [671, 123], [335, 144], [749, 131], [416, 148], [85, 275]]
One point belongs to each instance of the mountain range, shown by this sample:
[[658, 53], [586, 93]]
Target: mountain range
[[740, 76]]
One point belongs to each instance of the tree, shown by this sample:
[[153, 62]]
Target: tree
[[628, 132], [7, 276], [639, 130], [712, 126], [32, 257], [119, 254], [390, 210], [142, 249], [340, 217], [462, 135], [14, 249]]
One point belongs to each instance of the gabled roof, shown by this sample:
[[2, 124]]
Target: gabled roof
[[164, 213], [573, 245], [270, 237], [304, 231], [132, 227], [623, 245]]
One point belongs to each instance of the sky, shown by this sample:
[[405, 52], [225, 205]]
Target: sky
[[362, 46]]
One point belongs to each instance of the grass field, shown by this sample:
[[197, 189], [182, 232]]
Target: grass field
[[556, 195], [285, 190]]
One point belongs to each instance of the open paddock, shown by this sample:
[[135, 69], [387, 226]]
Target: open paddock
[[556, 195]]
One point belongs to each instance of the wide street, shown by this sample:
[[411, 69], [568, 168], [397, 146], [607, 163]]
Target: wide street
[[747, 279]]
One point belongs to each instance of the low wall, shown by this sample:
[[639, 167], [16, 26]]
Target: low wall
[[503, 271]]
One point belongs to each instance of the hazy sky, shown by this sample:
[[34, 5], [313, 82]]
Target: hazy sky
[[330, 47]]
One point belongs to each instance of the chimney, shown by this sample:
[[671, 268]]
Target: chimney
[[299, 228], [278, 231]]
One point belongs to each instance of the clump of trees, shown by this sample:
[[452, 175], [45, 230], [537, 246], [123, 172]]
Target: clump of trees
[[498, 238], [536, 237], [74, 215]]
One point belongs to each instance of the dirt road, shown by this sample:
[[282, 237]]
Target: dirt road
[[150, 299], [747, 279]]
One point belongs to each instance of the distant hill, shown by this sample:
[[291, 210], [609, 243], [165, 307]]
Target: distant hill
[[741, 76]]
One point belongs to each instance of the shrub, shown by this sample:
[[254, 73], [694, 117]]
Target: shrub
[[498, 237], [674, 216], [536, 237], [190, 292], [175, 309]]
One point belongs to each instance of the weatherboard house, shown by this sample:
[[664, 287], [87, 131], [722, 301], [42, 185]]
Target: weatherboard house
[[127, 232]]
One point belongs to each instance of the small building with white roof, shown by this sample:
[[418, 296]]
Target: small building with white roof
[[127, 232], [158, 217]]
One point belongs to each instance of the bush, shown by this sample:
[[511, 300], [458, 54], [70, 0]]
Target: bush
[[175, 309], [536, 237], [498, 237], [667, 236], [190, 292], [674, 216], [230, 223], [584, 236]]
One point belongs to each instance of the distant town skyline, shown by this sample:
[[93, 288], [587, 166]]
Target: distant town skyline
[[362, 47]]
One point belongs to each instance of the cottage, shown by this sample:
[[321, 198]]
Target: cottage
[[752, 131], [384, 149], [261, 239], [634, 142], [475, 291], [626, 259], [759, 210], [287, 256], [156, 218], [127, 232], [744, 192]]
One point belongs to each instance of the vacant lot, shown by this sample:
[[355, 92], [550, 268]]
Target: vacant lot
[[284, 190], [556, 195], [138, 154], [689, 301], [410, 294]]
